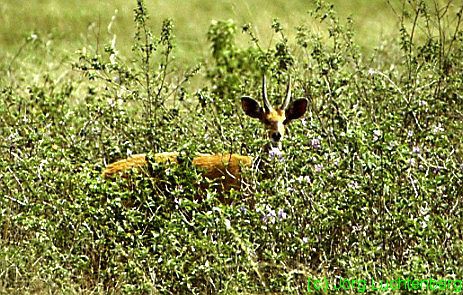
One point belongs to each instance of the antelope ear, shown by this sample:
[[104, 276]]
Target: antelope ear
[[296, 110], [251, 107]]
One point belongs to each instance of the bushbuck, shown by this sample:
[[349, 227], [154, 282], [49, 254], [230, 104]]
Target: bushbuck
[[226, 167]]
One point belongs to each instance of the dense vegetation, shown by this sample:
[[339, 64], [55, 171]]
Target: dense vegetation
[[369, 187]]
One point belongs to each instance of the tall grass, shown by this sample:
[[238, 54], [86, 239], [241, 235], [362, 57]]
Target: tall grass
[[69, 26], [369, 186]]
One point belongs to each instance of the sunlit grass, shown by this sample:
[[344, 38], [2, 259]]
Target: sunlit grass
[[73, 24], [369, 179]]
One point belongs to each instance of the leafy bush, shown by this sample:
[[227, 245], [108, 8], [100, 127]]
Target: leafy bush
[[369, 185]]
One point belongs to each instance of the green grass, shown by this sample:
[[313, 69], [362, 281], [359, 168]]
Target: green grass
[[369, 187], [72, 25]]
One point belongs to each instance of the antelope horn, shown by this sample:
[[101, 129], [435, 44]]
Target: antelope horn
[[288, 95], [267, 105]]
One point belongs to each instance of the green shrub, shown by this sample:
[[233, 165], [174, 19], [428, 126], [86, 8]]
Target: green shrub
[[368, 187]]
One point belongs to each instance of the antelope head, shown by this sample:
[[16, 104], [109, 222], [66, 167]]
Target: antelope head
[[275, 120]]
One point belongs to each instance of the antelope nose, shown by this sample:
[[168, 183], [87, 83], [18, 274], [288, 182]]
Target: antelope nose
[[276, 136]]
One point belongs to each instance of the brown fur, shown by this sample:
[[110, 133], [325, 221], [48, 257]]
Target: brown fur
[[224, 167], [273, 121], [135, 162]]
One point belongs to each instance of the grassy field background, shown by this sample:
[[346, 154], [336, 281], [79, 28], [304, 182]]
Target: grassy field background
[[369, 187], [71, 25]]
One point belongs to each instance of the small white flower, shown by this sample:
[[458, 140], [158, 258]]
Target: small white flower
[[318, 167], [410, 133], [424, 223], [305, 240], [422, 103], [412, 162], [271, 213], [371, 72], [315, 142], [227, 224], [438, 129], [270, 216], [304, 122], [376, 134], [275, 152], [354, 185], [281, 214], [112, 59], [122, 90], [34, 36], [303, 179], [416, 149]]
